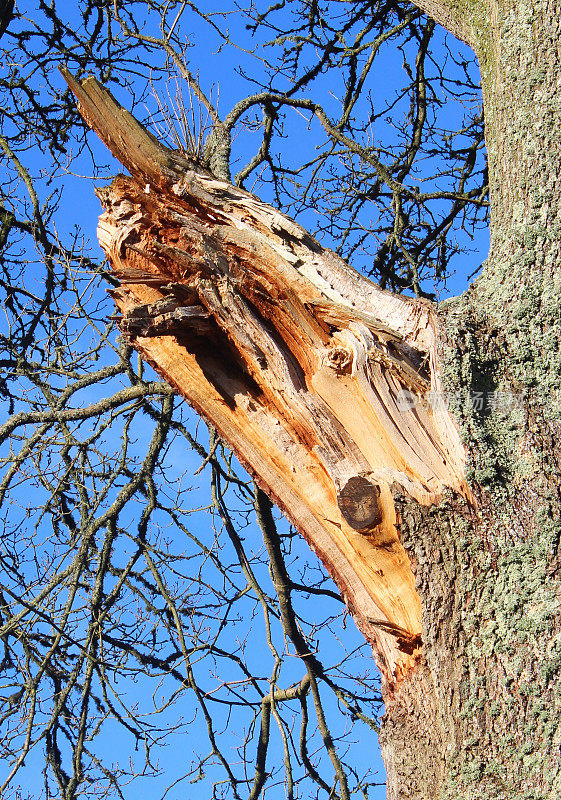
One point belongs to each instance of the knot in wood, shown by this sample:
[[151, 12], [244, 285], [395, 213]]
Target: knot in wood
[[358, 503], [340, 359]]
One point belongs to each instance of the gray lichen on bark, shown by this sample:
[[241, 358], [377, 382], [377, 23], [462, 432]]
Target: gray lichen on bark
[[487, 695]]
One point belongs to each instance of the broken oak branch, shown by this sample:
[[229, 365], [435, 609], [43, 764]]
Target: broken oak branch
[[297, 360]]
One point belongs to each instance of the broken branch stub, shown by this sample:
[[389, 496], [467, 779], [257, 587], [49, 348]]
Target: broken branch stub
[[296, 359]]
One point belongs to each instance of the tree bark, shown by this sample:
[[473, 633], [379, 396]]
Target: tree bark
[[324, 386], [479, 716]]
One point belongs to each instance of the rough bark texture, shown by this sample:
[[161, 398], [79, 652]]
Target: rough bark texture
[[299, 363], [479, 717]]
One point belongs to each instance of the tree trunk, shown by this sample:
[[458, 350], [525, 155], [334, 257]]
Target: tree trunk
[[330, 391], [480, 716]]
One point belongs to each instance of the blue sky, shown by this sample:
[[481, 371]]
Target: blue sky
[[217, 68]]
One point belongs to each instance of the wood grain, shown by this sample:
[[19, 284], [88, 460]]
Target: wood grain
[[299, 362]]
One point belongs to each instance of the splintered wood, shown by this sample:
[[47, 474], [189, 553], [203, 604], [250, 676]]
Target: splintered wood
[[313, 375]]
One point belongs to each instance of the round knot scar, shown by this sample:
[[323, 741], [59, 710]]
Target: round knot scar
[[358, 502]]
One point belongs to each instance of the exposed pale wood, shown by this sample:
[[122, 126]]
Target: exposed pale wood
[[294, 357]]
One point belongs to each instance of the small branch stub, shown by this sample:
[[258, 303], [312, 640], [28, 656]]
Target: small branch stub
[[358, 503], [340, 360]]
